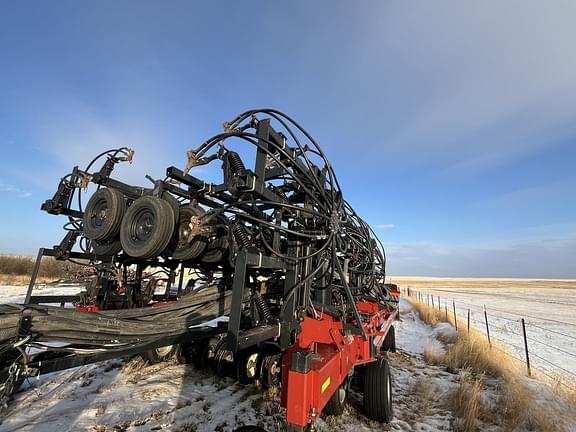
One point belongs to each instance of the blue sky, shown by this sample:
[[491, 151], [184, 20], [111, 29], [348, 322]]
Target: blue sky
[[450, 124]]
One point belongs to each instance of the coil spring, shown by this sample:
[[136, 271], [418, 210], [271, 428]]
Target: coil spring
[[235, 162], [262, 307], [282, 194], [241, 236]]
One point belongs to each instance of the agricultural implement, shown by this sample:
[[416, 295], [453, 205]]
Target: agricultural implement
[[266, 275]]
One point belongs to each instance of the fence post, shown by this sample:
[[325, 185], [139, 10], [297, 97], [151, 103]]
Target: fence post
[[446, 309], [487, 328], [526, 347], [432, 302], [468, 320], [439, 310], [454, 307]]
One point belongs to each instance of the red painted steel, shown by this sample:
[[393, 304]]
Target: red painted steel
[[335, 353]]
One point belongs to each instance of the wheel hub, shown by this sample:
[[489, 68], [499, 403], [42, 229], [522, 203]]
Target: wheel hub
[[143, 226]]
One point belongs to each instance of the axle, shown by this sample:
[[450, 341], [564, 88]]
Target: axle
[[275, 249]]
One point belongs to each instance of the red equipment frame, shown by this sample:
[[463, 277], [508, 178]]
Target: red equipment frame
[[322, 358]]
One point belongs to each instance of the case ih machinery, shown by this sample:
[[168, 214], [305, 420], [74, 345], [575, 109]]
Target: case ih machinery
[[276, 250]]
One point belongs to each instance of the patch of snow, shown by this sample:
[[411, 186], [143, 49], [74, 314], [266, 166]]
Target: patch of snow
[[548, 313], [125, 395], [116, 395]]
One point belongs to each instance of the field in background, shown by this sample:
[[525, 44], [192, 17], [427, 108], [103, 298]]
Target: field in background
[[547, 307], [119, 395], [482, 283], [16, 270]]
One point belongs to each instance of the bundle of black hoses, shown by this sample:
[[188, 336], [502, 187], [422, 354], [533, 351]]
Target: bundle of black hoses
[[112, 328], [343, 234]]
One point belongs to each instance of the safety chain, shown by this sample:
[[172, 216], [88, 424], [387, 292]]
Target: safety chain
[[7, 388]]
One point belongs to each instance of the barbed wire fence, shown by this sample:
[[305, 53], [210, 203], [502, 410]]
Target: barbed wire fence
[[513, 332]]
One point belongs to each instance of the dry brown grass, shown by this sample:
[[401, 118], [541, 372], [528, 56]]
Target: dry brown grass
[[514, 402], [564, 388], [428, 314], [431, 356], [135, 369], [465, 403], [425, 394], [16, 270], [470, 351], [100, 410]]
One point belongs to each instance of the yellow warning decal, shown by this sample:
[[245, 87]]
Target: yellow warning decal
[[326, 384]]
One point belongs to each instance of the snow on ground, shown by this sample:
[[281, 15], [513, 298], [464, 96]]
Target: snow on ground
[[128, 395], [548, 313], [17, 293]]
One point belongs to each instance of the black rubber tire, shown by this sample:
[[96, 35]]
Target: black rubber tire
[[170, 199], [338, 401], [174, 205], [103, 214], [249, 429], [216, 250], [389, 343], [187, 353], [147, 227], [269, 370], [247, 362], [223, 363], [205, 353], [378, 391], [106, 248], [179, 248], [159, 355]]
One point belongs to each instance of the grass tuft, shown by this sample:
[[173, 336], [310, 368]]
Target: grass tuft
[[466, 404], [564, 387], [516, 406]]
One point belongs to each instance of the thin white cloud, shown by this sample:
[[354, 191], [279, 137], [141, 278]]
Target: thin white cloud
[[385, 226], [74, 132], [544, 257], [15, 190], [467, 86], [524, 198]]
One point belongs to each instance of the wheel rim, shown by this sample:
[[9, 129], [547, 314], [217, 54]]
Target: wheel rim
[[164, 351], [341, 394], [251, 363], [274, 371], [184, 231], [99, 215], [142, 226]]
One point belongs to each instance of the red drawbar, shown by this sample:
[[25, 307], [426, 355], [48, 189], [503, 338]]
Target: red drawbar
[[92, 308], [331, 355]]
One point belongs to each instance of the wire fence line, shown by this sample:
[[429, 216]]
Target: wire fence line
[[425, 299], [525, 342]]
